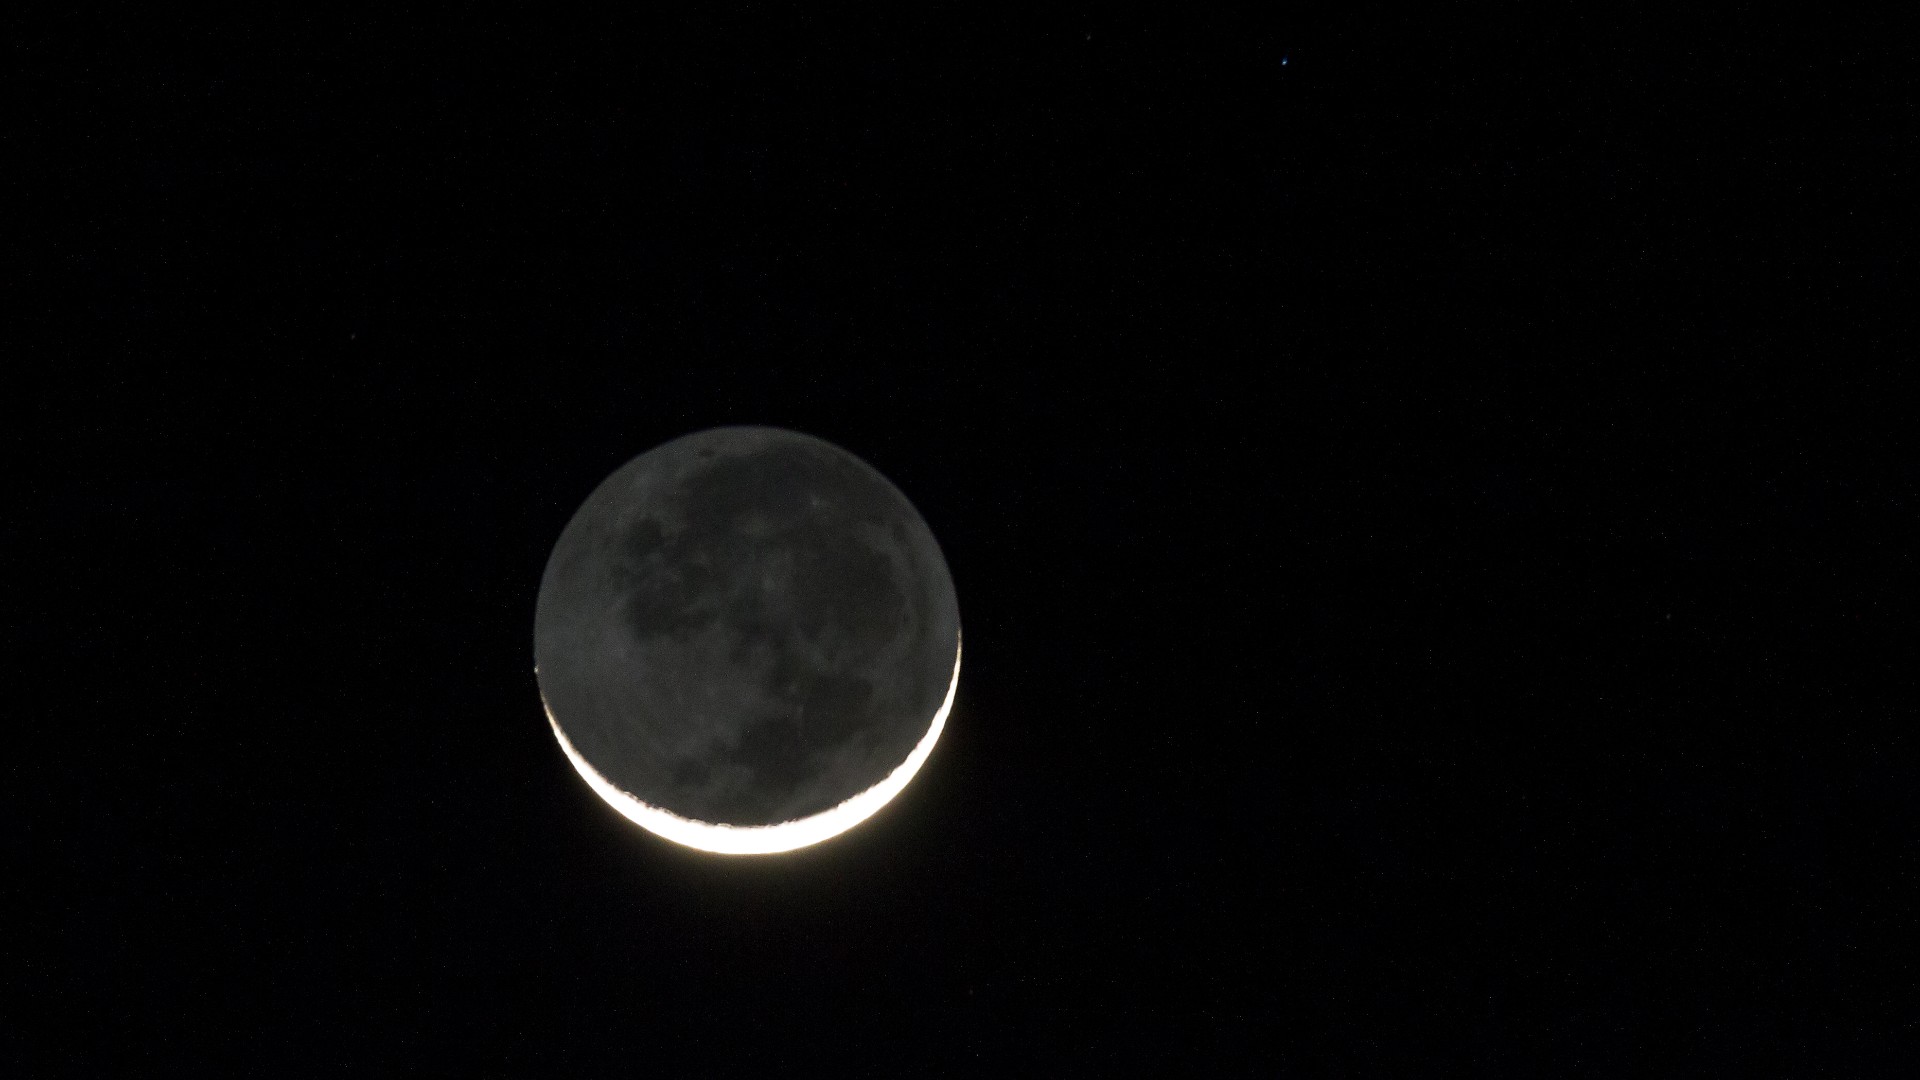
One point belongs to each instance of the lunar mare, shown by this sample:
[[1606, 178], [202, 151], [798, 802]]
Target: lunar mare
[[746, 640], [765, 839]]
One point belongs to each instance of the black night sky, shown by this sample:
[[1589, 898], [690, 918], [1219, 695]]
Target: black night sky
[[1433, 509]]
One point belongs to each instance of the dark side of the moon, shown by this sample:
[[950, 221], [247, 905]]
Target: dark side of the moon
[[745, 626]]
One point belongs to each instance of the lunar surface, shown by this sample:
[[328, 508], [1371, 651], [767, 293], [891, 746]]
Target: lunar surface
[[747, 640]]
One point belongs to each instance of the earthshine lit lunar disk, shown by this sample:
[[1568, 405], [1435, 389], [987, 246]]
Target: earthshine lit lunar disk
[[742, 641]]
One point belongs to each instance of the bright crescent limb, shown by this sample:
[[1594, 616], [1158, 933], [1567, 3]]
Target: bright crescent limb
[[764, 839]]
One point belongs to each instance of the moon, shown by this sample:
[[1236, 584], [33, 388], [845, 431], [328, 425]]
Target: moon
[[747, 640]]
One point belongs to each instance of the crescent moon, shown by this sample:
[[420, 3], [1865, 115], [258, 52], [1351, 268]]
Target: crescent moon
[[739, 639], [763, 839]]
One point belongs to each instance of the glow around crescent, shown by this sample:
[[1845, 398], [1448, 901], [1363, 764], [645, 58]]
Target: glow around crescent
[[764, 839]]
